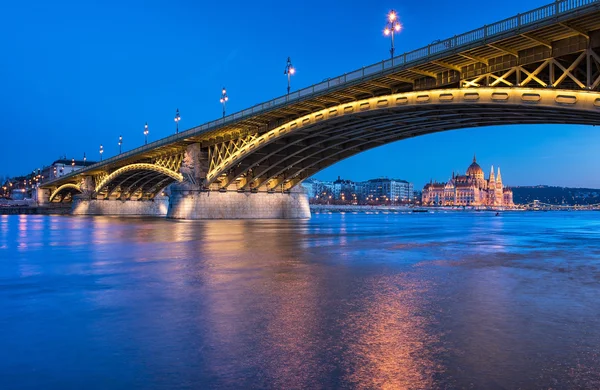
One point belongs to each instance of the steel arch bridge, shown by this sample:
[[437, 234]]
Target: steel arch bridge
[[535, 68]]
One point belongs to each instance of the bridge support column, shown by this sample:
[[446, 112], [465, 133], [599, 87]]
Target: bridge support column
[[82, 205], [42, 196], [238, 205]]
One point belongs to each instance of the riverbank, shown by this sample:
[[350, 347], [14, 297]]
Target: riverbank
[[35, 210], [323, 208], [318, 208]]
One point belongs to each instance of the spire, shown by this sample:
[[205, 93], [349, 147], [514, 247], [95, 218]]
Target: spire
[[499, 179], [474, 157], [492, 179]]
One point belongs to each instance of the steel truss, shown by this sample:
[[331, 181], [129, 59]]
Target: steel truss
[[574, 72], [225, 151], [141, 180], [282, 158]]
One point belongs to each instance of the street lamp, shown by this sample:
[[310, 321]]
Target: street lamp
[[393, 26], [84, 159], [289, 71], [72, 162], [146, 134], [120, 143], [101, 151], [177, 119], [224, 99]]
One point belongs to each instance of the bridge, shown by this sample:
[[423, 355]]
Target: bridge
[[540, 67]]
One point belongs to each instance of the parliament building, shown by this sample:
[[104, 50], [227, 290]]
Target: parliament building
[[471, 189]]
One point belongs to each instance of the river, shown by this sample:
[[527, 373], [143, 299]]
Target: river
[[360, 301]]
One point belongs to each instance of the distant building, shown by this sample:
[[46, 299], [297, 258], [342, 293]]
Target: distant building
[[384, 189], [63, 167], [17, 188], [471, 189], [317, 189], [344, 190]]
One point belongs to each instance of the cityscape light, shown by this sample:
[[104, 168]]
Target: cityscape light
[[224, 99], [120, 143], [289, 71], [177, 119], [393, 26]]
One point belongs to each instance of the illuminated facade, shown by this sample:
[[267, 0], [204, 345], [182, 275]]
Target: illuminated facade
[[471, 189]]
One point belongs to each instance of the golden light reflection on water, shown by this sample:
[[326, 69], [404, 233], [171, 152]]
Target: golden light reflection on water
[[258, 275], [389, 344]]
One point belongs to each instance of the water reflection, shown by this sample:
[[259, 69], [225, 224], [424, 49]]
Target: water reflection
[[342, 301], [387, 333]]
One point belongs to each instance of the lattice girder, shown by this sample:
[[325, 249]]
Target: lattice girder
[[138, 167], [60, 190], [553, 72], [171, 161]]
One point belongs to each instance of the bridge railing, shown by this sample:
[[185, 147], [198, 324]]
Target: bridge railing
[[405, 60]]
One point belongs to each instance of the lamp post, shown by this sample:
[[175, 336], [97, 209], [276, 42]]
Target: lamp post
[[289, 71], [177, 119], [224, 99], [146, 134], [393, 26], [101, 151], [120, 143], [84, 159]]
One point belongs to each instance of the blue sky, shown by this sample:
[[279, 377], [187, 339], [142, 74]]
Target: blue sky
[[76, 74]]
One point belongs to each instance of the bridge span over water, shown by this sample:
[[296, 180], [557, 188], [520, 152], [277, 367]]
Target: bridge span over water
[[540, 67]]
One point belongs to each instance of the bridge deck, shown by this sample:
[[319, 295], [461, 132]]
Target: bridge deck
[[524, 38]]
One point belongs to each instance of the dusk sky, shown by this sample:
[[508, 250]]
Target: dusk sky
[[77, 74]]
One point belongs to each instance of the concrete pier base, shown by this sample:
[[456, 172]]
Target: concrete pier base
[[238, 205], [156, 208]]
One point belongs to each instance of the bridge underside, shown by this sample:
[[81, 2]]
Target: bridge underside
[[138, 184], [64, 194], [289, 158]]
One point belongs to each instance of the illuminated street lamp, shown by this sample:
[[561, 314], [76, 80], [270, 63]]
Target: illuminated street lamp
[[224, 99], [72, 162], [101, 151], [84, 159], [393, 26], [120, 143], [177, 119], [289, 71], [146, 134]]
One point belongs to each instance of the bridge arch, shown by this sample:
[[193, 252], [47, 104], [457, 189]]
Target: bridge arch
[[65, 189], [145, 179], [285, 156]]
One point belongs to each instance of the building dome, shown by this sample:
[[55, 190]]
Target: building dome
[[475, 170]]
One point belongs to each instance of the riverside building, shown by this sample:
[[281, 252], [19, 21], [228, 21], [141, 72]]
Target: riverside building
[[471, 189]]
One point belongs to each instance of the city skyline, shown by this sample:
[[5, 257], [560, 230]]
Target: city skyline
[[81, 84]]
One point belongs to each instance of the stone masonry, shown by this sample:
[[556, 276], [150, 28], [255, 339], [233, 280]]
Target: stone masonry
[[157, 207], [238, 205]]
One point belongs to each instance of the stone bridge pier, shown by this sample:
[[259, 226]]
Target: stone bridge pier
[[193, 199], [198, 204]]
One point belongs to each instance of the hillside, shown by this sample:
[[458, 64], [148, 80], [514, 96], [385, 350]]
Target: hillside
[[556, 195]]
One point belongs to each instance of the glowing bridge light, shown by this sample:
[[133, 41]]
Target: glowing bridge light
[[392, 27], [289, 71], [224, 99], [177, 119]]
